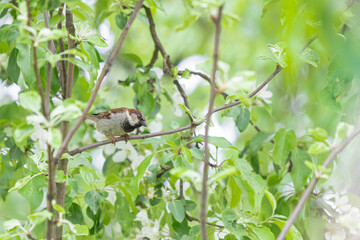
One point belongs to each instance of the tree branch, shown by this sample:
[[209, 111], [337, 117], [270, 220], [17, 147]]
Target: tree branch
[[63, 78], [313, 183], [167, 62], [67, 91], [45, 103], [197, 220], [104, 72], [132, 137], [52, 48], [154, 57], [157, 42], [207, 126]]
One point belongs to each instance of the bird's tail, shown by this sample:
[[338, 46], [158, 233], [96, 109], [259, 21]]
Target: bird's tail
[[91, 118]]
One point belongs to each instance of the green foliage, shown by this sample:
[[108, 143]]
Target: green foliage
[[263, 152]]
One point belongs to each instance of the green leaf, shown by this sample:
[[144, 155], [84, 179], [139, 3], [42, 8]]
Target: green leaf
[[96, 40], [58, 208], [7, 5], [123, 214], [243, 119], [262, 232], [318, 148], [293, 233], [252, 185], [310, 56], [55, 138], [300, 172], [229, 219], [221, 142], [319, 134], [233, 191], [186, 155], [22, 182], [21, 134], [12, 113], [134, 184], [60, 176], [12, 224], [89, 175], [30, 100], [90, 199], [186, 109], [177, 210], [285, 141], [343, 130], [39, 217], [147, 103], [338, 84], [47, 34], [13, 69], [134, 58], [121, 20], [189, 205], [271, 199], [188, 21], [66, 111], [224, 173], [279, 53], [81, 230], [24, 61], [258, 140], [186, 74]]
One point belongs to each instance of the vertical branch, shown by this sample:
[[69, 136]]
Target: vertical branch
[[104, 72], [63, 77], [67, 90], [52, 48], [45, 104], [313, 183], [69, 23], [217, 21]]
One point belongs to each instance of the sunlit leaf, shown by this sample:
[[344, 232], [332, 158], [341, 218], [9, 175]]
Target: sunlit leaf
[[285, 141], [177, 210]]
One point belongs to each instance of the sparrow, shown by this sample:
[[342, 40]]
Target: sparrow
[[118, 122]]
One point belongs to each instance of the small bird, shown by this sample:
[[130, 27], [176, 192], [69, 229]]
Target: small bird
[[118, 122]]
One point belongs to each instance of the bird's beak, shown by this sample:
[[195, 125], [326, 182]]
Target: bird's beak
[[143, 123]]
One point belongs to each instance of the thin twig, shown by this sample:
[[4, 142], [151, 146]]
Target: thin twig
[[164, 170], [154, 57], [207, 126], [313, 183], [131, 137], [104, 72], [28, 235], [167, 62], [197, 220], [308, 43]]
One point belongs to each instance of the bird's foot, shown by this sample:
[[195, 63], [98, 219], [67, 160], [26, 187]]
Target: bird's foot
[[114, 140], [127, 137]]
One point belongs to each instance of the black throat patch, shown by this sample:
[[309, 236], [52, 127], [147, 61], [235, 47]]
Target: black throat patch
[[128, 127]]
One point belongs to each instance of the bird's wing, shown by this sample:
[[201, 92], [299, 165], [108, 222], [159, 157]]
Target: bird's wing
[[107, 114]]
